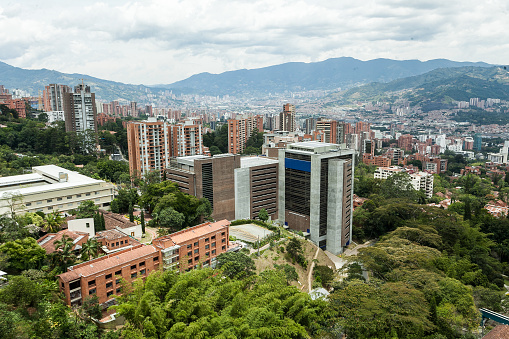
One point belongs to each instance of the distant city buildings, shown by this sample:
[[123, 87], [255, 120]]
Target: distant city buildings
[[421, 181], [287, 118], [240, 130]]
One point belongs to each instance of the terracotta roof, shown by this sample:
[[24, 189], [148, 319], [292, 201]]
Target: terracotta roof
[[113, 220], [499, 332], [198, 231], [110, 234], [107, 262], [48, 241]]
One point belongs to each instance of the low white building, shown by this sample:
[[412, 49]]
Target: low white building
[[51, 188], [421, 181]]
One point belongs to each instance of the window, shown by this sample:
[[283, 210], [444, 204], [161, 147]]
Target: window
[[207, 254], [117, 291], [88, 194], [117, 281], [196, 258], [213, 252], [189, 246], [213, 237], [190, 261], [91, 282], [133, 267], [92, 291], [118, 273], [141, 264], [196, 251], [69, 197], [156, 258], [110, 293], [121, 242], [207, 247], [49, 200], [96, 193], [117, 243], [87, 224], [222, 234], [97, 199], [78, 195], [59, 199], [142, 272], [108, 285], [133, 275], [108, 276], [190, 253], [28, 204], [50, 208], [223, 240], [39, 202], [196, 244], [70, 204], [207, 239], [223, 248], [214, 244]]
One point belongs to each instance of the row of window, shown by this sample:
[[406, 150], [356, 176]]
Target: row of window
[[196, 244], [69, 197]]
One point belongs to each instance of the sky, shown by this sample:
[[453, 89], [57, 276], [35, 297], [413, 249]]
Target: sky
[[162, 41]]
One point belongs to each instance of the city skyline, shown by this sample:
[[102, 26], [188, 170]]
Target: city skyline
[[160, 42]]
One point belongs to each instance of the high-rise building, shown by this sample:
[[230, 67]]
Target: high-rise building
[[152, 143], [287, 118], [477, 141], [240, 130], [53, 97], [310, 125], [80, 111], [316, 192], [330, 130]]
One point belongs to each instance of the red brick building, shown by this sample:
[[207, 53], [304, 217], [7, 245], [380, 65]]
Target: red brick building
[[184, 250], [102, 276], [194, 246], [240, 130]]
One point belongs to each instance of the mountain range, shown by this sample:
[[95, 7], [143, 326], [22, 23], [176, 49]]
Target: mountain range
[[443, 85], [331, 74]]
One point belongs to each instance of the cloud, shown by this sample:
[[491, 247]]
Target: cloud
[[158, 41]]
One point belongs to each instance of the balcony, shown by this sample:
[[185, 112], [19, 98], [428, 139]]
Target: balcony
[[75, 295]]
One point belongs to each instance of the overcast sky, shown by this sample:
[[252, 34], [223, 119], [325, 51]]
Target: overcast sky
[[162, 41]]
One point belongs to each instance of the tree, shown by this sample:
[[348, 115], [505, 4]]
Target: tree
[[14, 201], [169, 218], [23, 253], [86, 209], [142, 221], [289, 271], [91, 307], [63, 254], [236, 264], [52, 222], [131, 211], [89, 249], [263, 215]]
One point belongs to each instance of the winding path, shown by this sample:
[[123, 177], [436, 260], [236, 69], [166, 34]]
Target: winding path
[[311, 270]]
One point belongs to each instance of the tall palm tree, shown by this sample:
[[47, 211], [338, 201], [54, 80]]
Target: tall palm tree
[[63, 254], [89, 249], [53, 222]]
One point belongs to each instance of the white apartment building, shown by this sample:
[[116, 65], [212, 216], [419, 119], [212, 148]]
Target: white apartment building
[[421, 181], [51, 188]]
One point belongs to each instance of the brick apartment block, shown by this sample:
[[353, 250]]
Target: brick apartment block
[[199, 245]]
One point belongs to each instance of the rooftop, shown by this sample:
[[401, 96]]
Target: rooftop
[[110, 234], [190, 233], [107, 262], [48, 241], [256, 161]]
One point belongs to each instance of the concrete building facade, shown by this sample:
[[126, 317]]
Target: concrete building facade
[[51, 188], [208, 177], [287, 118], [240, 130], [316, 192], [256, 187]]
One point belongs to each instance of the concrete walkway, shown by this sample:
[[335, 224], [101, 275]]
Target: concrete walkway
[[311, 270], [340, 261]]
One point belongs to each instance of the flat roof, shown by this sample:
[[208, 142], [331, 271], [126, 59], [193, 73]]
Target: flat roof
[[47, 173], [189, 160], [246, 162]]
